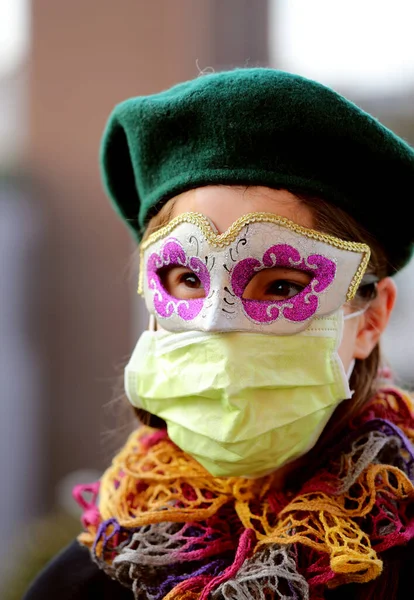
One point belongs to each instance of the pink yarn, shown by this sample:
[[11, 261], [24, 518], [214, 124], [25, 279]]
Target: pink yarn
[[244, 550], [90, 515], [152, 440]]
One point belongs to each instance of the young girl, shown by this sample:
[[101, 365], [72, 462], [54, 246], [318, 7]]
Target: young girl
[[274, 457]]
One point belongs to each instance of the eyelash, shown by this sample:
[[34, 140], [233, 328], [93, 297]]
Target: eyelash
[[185, 278], [297, 287]]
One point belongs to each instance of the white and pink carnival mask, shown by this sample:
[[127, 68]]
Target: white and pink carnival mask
[[225, 263]]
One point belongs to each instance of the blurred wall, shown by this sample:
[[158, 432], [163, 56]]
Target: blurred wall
[[86, 56]]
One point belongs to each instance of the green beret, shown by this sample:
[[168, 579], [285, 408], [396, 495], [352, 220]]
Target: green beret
[[259, 126]]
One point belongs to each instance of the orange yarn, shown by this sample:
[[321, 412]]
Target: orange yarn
[[151, 481], [164, 484]]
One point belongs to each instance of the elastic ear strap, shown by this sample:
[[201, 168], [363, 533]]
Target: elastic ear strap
[[350, 369], [152, 324], [357, 313]]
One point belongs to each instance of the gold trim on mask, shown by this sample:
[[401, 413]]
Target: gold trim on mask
[[222, 240]]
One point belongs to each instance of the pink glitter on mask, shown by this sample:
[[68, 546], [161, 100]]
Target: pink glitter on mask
[[172, 254], [300, 307]]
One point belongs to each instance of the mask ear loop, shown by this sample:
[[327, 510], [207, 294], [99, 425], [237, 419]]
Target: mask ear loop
[[152, 324], [355, 314], [368, 279], [349, 373], [350, 369]]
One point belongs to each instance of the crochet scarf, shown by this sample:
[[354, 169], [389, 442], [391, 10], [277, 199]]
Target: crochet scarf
[[160, 524]]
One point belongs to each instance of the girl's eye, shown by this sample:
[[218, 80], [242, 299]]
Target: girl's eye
[[276, 284], [283, 289], [181, 282], [190, 280]]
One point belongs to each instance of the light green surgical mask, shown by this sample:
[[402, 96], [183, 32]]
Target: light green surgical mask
[[242, 404]]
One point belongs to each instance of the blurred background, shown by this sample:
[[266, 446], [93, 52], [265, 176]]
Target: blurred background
[[69, 315]]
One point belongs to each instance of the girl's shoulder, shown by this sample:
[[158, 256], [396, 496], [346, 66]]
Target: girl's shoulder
[[72, 575]]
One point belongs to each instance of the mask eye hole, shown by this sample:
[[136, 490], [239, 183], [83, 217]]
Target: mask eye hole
[[181, 282], [276, 284]]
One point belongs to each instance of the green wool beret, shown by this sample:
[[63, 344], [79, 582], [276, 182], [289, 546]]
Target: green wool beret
[[259, 126]]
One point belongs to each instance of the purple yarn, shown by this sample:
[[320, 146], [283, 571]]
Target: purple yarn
[[294, 595], [117, 528], [101, 533], [389, 428], [381, 425], [160, 589]]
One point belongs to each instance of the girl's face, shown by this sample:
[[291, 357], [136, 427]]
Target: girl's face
[[223, 205]]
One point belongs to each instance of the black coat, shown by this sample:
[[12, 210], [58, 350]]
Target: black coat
[[72, 575]]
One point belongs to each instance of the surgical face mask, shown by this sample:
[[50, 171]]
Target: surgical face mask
[[242, 404], [247, 392]]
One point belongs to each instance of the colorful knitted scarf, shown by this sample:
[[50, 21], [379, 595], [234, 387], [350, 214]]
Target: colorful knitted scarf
[[168, 530]]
